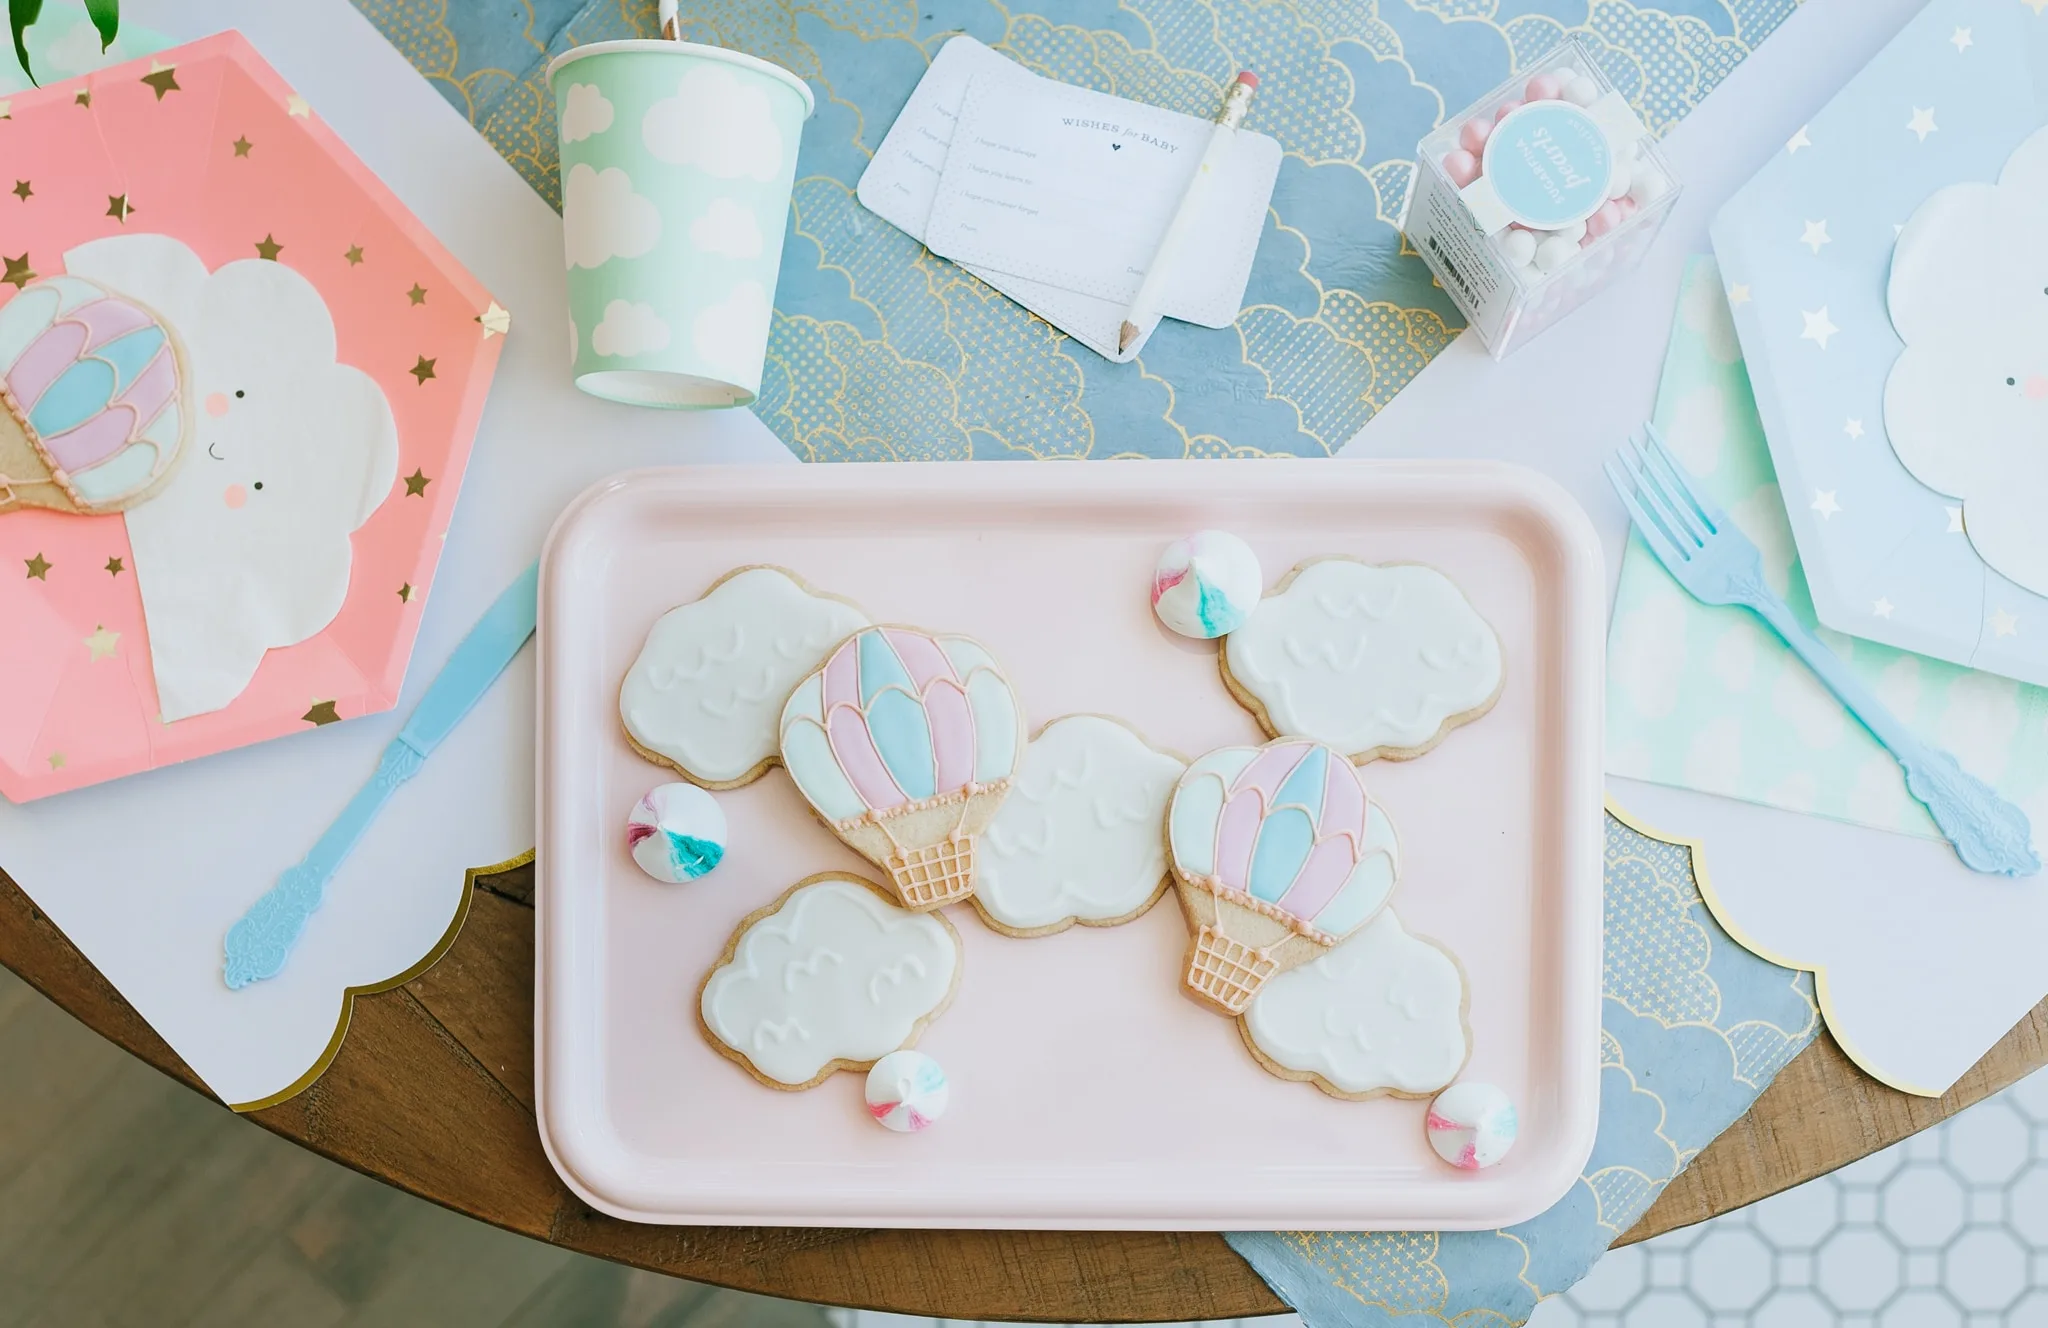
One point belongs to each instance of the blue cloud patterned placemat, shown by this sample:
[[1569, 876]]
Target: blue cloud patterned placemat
[[1693, 1028], [881, 351]]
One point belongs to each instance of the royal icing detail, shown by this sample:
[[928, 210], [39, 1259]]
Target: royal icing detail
[[905, 743], [1382, 1012], [1365, 658], [1472, 1125], [1279, 854], [713, 674], [677, 833], [906, 1091], [1078, 838], [1207, 584], [835, 974]]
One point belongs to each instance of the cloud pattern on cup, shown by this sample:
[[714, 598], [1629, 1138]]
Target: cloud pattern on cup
[[719, 123], [629, 328], [727, 332], [603, 218], [727, 228], [586, 112]]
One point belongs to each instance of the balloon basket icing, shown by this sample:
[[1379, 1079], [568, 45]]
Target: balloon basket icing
[[935, 875], [1227, 973]]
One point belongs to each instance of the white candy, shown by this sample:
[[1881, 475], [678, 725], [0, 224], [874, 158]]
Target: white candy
[[1618, 182], [1555, 252], [1581, 90], [1647, 184], [906, 1091], [677, 833], [1207, 584], [1519, 247], [1574, 232], [1472, 1125]]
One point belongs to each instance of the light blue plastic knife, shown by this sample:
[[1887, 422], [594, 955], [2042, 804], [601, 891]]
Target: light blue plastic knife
[[258, 945]]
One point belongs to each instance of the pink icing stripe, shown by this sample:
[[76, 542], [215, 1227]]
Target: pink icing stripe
[[1320, 878], [46, 357], [842, 676], [1236, 831], [1436, 1122], [92, 442], [848, 734], [952, 726], [155, 387], [881, 1109], [1270, 768], [922, 657], [107, 319], [1343, 802]]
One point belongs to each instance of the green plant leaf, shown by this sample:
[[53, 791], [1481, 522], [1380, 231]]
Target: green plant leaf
[[106, 18], [21, 13]]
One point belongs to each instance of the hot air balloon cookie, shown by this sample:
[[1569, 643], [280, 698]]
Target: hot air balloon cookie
[[94, 400], [1278, 855], [905, 744]]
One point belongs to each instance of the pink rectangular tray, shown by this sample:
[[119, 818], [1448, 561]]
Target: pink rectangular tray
[[1087, 1091]]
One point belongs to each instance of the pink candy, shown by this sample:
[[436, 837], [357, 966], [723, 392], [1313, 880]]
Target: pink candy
[[1472, 137], [1507, 108], [1461, 166], [1603, 221], [1543, 87]]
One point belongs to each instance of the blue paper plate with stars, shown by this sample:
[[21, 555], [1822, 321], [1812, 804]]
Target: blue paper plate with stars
[[1806, 249]]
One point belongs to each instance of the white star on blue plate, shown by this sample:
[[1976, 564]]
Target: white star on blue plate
[[1816, 235], [1818, 328], [1922, 122]]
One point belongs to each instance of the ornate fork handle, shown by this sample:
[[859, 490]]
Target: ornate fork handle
[[1990, 834]]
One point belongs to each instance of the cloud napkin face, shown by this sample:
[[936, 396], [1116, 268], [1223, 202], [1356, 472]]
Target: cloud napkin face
[[248, 547], [1966, 404]]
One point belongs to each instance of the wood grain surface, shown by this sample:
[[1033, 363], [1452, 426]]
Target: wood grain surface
[[433, 1093]]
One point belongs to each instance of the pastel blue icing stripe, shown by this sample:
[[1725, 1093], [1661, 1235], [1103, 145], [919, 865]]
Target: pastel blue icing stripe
[[879, 668], [1307, 783], [79, 393], [692, 857], [1196, 808], [995, 726], [123, 472], [1368, 886], [130, 355], [808, 754], [903, 737], [1285, 838]]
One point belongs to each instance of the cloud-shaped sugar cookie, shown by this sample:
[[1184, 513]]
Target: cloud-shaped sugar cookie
[[247, 548], [831, 976], [706, 691], [1966, 405], [1383, 1012], [1373, 661], [1078, 839]]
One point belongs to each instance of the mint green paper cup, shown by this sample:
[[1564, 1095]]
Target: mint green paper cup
[[676, 168]]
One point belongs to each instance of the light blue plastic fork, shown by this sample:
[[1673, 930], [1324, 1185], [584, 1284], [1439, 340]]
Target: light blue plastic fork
[[1705, 553]]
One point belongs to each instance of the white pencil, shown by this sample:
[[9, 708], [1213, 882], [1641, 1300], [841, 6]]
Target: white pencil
[[665, 17], [1237, 99]]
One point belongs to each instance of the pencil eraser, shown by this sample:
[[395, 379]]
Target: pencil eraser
[[1248, 78]]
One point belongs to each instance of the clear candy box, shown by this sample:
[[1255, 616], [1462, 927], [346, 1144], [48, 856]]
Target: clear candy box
[[1537, 196]]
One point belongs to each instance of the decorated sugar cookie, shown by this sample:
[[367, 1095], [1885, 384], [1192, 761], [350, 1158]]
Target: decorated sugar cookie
[[713, 674], [677, 833], [1380, 1013], [1373, 661], [1278, 855], [1078, 838], [905, 744], [831, 976]]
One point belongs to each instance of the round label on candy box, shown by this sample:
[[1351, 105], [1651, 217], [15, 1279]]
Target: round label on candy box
[[1549, 164]]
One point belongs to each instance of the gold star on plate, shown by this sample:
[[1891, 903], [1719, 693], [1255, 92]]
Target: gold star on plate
[[84, 97], [119, 208], [38, 568], [354, 254], [405, 593], [163, 79], [6, 109], [22, 190], [295, 105], [423, 370], [268, 247], [18, 271], [102, 642], [416, 483], [496, 320], [115, 567], [418, 294], [242, 146], [56, 760], [320, 712]]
